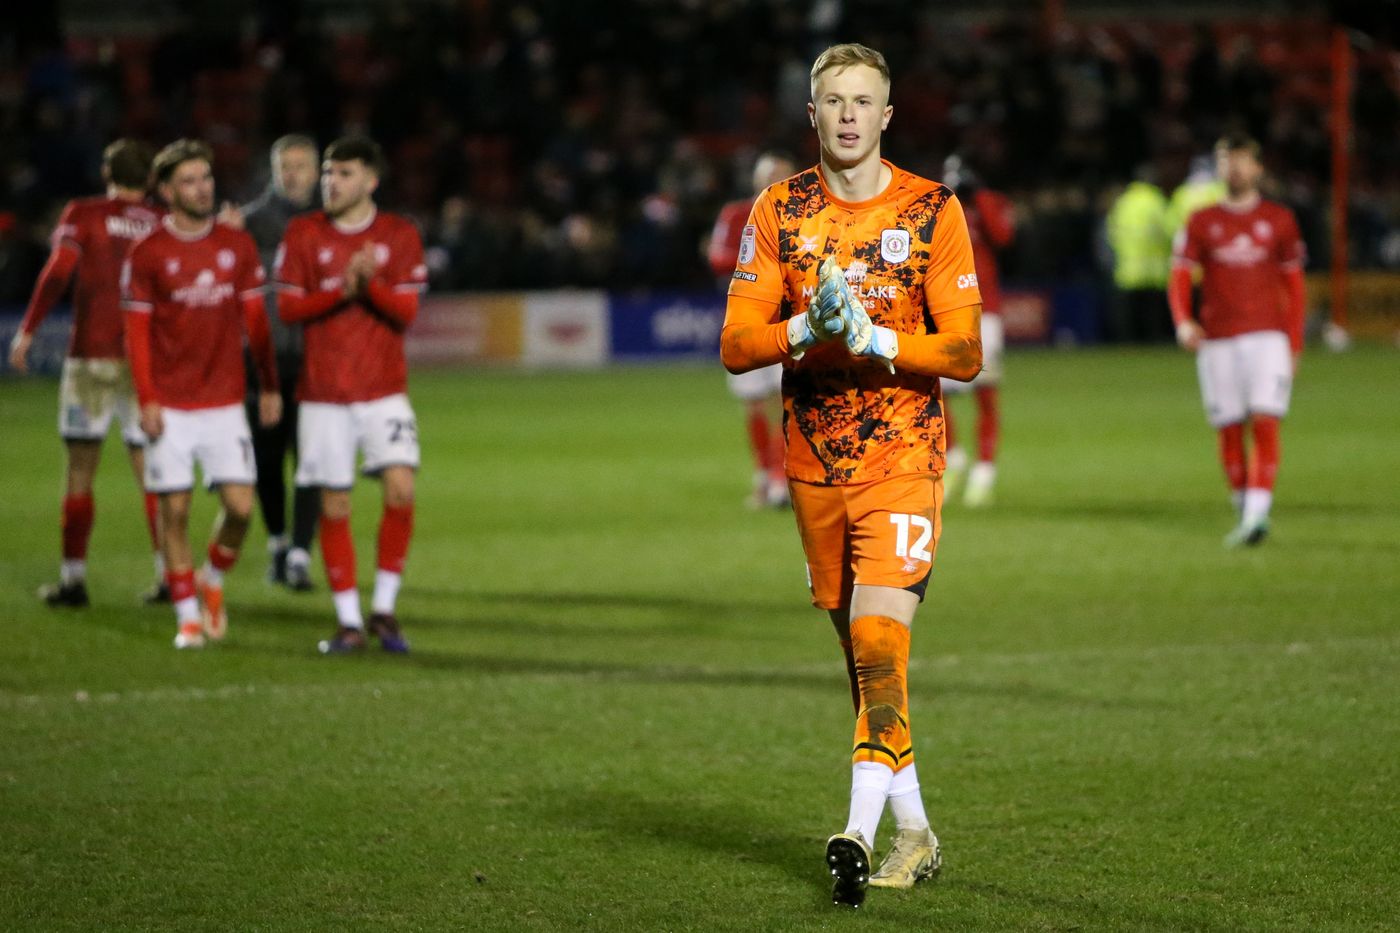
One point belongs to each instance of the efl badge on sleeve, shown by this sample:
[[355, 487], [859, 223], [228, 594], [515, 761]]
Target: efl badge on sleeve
[[894, 245], [748, 244]]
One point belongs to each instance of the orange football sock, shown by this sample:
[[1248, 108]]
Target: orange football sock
[[881, 648]]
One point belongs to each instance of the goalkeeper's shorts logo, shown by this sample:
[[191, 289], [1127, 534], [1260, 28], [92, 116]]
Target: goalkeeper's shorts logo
[[894, 245]]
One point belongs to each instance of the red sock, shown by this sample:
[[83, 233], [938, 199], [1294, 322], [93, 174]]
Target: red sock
[[221, 558], [757, 423], [395, 530], [949, 439], [77, 525], [181, 583], [988, 423], [1263, 465], [338, 551], [1232, 454], [153, 518]]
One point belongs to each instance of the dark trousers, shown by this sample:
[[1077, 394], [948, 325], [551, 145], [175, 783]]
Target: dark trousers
[[272, 447]]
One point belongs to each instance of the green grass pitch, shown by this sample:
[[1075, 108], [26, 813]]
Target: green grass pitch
[[621, 713]]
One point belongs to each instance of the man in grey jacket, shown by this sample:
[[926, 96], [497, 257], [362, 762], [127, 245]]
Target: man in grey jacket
[[292, 190]]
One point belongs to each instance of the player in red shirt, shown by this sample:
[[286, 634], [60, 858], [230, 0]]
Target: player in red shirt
[[192, 291], [352, 275], [1250, 256], [760, 389], [89, 246], [991, 223]]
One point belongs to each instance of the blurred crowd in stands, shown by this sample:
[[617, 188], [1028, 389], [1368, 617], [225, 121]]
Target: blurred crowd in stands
[[549, 143]]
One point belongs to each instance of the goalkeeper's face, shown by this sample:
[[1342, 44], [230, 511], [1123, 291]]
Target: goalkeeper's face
[[850, 109], [346, 186]]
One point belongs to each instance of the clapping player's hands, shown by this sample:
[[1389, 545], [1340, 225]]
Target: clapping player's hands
[[864, 338], [360, 270], [823, 319], [269, 408], [152, 424]]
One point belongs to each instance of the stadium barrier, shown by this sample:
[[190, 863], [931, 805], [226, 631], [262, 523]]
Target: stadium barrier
[[582, 329]]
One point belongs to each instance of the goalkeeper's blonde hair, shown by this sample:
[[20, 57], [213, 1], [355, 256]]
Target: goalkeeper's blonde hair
[[843, 56]]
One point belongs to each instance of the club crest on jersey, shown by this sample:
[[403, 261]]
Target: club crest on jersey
[[748, 245], [225, 259], [172, 266], [1263, 230], [894, 245], [325, 256], [381, 253]]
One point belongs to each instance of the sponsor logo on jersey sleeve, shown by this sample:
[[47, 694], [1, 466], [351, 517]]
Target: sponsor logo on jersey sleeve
[[748, 244], [745, 276], [894, 245], [967, 281]]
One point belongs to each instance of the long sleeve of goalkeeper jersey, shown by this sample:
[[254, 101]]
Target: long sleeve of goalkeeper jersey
[[953, 351], [752, 336]]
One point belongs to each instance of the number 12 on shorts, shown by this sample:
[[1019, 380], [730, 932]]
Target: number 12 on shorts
[[902, 524]]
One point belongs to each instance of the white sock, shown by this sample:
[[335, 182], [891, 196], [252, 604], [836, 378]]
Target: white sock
[[870, 785], [277, 543], [212, 575], [298, 557], [72, 571], [1237, 497], [187, 610], [906, 804], [1256, 506], [983, 473], [386, 591], [159, 560], [957, 459], [347, 608]]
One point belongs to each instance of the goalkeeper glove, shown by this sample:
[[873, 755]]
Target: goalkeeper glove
[[823, 319], [864, 338]]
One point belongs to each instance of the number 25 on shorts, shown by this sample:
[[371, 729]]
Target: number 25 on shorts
[[903, 524]]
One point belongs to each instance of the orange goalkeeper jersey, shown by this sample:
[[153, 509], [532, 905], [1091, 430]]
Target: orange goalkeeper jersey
[[907, 255]]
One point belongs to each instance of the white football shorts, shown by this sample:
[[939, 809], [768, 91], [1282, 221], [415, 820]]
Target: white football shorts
[[217, 438], [383, 431], [90, 393], [757, 384], [1251, 374], [993, 342]]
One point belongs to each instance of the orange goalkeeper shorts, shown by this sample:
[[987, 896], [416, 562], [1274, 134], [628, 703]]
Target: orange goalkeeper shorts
[[882, 533]]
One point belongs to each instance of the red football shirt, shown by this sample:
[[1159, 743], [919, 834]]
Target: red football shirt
[[100, 232], [194, 287], [991, 225], [1243, 255], [353, 353], [724, 239]]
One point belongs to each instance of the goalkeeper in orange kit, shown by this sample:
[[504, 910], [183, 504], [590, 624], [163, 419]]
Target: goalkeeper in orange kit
[[858, 277]]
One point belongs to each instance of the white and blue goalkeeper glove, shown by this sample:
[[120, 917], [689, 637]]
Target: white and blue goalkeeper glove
[[863, 338], [824, 319]]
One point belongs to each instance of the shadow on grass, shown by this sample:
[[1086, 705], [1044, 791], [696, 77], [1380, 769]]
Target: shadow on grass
[[732, 828], [663, 601]]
